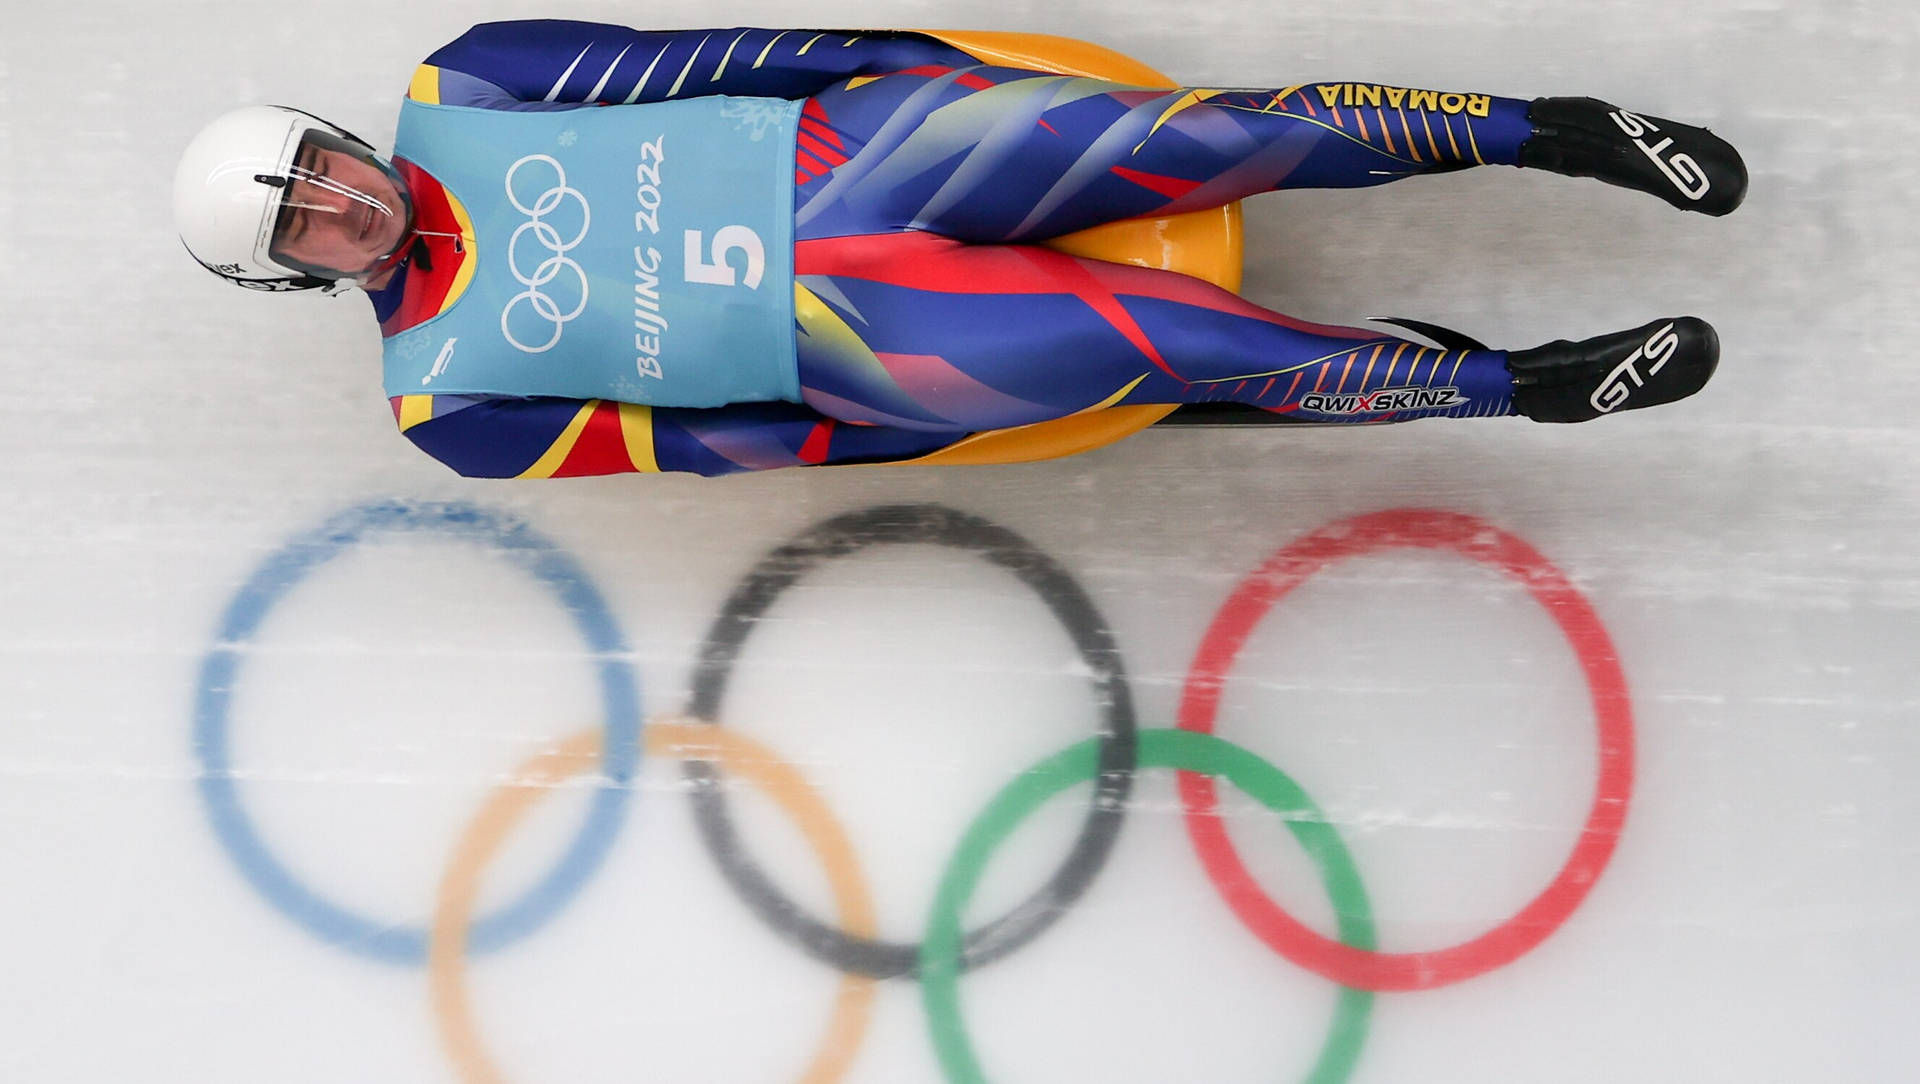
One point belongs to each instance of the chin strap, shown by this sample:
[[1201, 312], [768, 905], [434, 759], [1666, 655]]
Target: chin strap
[[458, 238]]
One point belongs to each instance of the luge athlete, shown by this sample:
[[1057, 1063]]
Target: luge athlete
[[598, 249]]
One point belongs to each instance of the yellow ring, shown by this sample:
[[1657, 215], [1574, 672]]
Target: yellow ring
[[453, 909]]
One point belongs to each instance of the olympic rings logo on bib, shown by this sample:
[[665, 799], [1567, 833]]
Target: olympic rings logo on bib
[[544, 307]]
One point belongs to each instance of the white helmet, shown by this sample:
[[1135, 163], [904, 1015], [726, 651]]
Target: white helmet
[[231, 187]]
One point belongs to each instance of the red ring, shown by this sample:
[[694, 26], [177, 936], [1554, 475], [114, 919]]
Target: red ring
[[1476, 540]]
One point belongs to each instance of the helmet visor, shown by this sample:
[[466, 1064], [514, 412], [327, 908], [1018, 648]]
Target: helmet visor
[[342, 211]]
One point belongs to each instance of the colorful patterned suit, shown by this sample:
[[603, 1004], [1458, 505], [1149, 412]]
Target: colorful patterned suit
[[925, 309]]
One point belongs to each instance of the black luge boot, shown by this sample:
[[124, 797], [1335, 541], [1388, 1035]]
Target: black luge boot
[[1576, 382], [1689, 167]]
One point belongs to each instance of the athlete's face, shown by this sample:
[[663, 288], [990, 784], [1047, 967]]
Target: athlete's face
[[341, 212]]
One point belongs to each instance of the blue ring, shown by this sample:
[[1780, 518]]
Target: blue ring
[[285, 570]]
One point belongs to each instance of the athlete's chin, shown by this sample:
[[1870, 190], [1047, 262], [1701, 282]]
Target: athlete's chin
[[382, 238]]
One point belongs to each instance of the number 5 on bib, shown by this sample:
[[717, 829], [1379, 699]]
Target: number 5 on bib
[[718, 271]]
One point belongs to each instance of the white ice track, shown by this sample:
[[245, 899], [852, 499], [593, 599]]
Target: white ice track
[[1751, 554]]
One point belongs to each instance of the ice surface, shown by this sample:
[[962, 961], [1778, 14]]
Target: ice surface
[[1749, 553]]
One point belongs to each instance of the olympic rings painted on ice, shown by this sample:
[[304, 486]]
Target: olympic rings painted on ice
[[1479, 541], [446, 960], [220, 670], [549, 268], [1109, 759], [1062, 594], [1158, 748]]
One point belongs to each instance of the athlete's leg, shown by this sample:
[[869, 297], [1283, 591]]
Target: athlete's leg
[[915, 331], [1002, 154]]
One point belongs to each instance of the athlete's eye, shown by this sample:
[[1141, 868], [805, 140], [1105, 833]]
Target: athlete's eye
[[289, 222]]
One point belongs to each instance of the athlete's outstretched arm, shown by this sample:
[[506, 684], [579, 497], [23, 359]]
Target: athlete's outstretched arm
[[561, 64], [570, 438]]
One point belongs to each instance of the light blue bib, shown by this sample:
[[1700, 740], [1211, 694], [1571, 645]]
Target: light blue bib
[[641, 253]]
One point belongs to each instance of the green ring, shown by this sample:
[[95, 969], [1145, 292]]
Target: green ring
[[1159, 748]]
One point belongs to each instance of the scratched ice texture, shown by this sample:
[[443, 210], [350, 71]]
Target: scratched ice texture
[[235, 786]]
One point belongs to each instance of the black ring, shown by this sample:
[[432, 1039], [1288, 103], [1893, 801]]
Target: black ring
[[900, 525]]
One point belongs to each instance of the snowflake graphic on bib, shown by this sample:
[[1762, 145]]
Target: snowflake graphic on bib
[[756, 113], [409, 345]]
